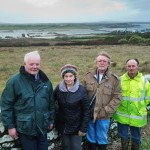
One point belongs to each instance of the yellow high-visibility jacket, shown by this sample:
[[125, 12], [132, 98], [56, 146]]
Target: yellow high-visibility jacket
[[135, 98]]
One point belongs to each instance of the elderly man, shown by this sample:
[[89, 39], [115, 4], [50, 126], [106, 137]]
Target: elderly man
[[28, 106], [103, 88], [132, 113]]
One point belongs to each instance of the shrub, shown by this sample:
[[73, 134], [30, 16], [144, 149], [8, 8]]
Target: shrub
[[122, 41], [136, 39], [113, 64]]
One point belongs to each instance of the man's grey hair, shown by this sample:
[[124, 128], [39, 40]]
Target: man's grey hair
[[33, 53], [103, 53]]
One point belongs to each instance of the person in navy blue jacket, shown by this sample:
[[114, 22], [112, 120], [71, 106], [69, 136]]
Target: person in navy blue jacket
[[73, 109]]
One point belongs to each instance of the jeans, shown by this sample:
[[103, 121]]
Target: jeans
[[98, 131], [71, 142], [123, 132], [29, 142]]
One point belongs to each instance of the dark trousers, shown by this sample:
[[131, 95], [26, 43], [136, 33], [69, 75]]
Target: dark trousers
[[71, 142], [38, 142], [123, 130]]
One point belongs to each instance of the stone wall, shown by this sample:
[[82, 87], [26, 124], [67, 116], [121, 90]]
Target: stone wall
[[8, 143]]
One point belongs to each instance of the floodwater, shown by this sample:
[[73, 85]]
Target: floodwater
[[59, 32]]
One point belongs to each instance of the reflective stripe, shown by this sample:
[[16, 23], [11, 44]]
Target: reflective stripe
[[147, 97], [144, 89], [137, 99], [132, 99], [131, 116]]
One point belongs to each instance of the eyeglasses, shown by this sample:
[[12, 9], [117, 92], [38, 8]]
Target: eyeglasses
[[104, 61]]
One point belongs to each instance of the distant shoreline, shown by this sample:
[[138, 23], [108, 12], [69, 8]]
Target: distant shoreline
[[60, 30]]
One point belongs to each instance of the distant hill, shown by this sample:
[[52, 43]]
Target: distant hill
[[4, 23], [87, 23]]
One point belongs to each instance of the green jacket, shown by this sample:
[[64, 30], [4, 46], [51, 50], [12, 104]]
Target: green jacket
[[135, 97], [27, 104]]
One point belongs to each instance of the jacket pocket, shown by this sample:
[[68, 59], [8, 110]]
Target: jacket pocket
[[107, 89], [102, 114], [24, 123]]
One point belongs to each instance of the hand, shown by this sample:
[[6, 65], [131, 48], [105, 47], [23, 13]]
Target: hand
[[13, 133], [50, 127], [81, 133]]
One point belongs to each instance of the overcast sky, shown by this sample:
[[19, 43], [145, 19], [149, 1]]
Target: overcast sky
[[66, 11]]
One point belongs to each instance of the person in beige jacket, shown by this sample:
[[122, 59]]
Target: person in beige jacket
[[104, 92]]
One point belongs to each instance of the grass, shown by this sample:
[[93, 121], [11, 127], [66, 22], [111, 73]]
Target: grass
[[54, 57], [145, 144]]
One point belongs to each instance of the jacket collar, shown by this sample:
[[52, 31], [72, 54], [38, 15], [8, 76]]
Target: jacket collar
[[41, 75], [126, 76], [74, 88], [106, 74]]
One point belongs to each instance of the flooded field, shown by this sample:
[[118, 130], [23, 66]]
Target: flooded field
[[51, 31]]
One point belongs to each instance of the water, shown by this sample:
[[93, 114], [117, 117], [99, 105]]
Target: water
[[48, 34], [76, 31]]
